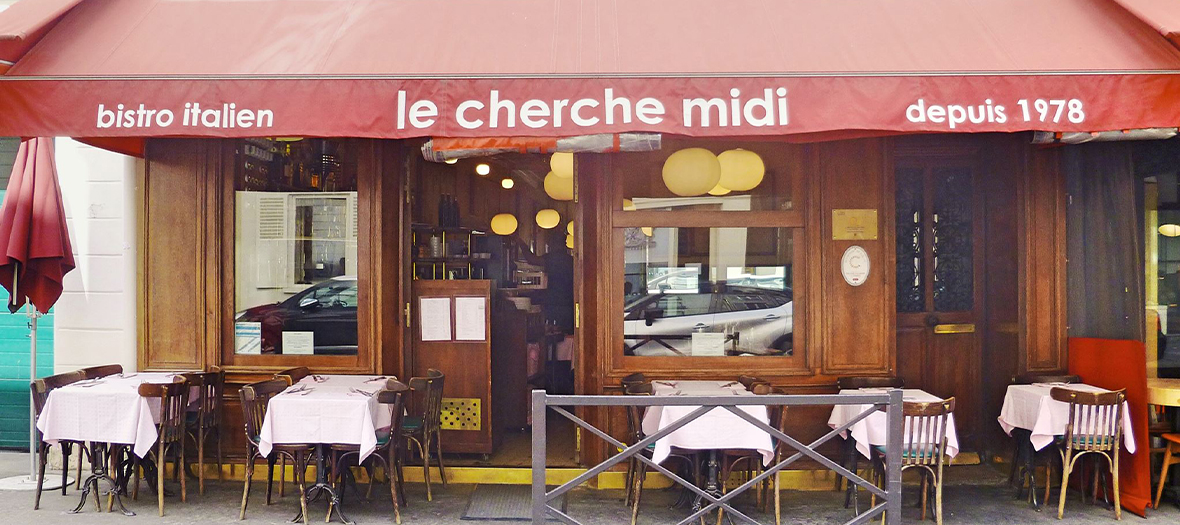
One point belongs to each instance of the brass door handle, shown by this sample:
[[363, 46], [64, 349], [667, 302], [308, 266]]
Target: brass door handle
[[962, 328]]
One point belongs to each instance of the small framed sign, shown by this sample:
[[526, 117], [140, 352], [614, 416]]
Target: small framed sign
[[854, 225], [854, 265]]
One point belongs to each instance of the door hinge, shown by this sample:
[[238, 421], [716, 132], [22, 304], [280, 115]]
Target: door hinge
[[407, 315]]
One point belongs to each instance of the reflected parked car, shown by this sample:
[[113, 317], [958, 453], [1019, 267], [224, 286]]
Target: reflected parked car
[[756, 321], [326, 309]]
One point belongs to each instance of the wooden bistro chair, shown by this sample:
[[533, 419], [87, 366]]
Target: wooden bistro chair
[[171, 434], [293, 375], [635, 433], [40, 389], [1095, 427], [423, 426], [205, 421], [1024, 457], [1171, 457], [848, 446], [923, 448], [254, 398], [389, 447], [778, 420]]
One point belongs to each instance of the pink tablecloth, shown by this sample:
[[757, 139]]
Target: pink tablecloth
[[719, 429], [1030, 407], [328, 411], [874, 430], [106, 410]]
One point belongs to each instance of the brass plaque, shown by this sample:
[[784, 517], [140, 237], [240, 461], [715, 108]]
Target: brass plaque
[[965, 328], [461, 413], [854, 225]]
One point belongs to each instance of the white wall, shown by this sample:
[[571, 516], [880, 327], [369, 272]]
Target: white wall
[[95, 317]]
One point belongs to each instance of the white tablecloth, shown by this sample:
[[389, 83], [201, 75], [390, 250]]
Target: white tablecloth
[[107, 410], [874, 430], [718, 429], [330, 412], [1030, 407]]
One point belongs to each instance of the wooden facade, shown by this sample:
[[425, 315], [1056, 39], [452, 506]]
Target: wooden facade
[[1018, 198]]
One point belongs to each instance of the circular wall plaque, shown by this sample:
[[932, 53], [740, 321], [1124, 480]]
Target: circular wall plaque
[[854, 265]]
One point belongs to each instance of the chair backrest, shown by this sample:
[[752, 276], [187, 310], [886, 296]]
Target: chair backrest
[[173, 405], [924, 441], [394, 395], [95, 372], [1095, 418], [632, 379], [40, 388], [255, 397], [750, 381], [852, 383], [293, 375], [209, 387], [1030, 378], [634, 413], [431, 389]]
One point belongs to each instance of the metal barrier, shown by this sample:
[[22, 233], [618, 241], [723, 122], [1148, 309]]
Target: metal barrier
[[891, 402]]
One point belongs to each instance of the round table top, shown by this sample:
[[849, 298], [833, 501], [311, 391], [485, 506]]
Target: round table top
[[1165, 392]]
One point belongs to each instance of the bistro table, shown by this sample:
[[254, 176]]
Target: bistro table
[[874, 429], [718, 429], [326, 410], [1031, 409], [104, 411]]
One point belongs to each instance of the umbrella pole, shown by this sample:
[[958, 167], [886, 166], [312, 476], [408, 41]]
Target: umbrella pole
[[32, 376]]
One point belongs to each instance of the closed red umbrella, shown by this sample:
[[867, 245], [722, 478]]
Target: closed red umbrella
[[35, 252]]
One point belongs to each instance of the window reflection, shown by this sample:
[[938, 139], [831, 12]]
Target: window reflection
[[708, 292]]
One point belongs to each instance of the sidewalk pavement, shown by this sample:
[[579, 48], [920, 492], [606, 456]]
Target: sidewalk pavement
[[973, 495]]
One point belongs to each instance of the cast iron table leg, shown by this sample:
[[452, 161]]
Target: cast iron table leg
[[99, 459], [323, 486]]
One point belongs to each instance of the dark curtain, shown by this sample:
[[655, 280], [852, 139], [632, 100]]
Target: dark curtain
[[1104, 222]]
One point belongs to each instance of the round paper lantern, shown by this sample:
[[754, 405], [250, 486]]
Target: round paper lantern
[[562, 164], [718, 190], [741, 170], [647, 231], [451, 161], [569, 228], [507, 183], [504, 224], [482, 169], [569, 241], [548, 218], [691, 172], [1170, 230], [558, 188]]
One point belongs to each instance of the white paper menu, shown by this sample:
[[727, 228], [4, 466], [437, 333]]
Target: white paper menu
[[470, 318], [434, 318]]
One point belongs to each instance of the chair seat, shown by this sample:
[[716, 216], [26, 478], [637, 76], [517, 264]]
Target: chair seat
[[411, 424], [907, 453]]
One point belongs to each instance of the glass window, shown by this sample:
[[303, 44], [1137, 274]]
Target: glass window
[[295, 285], [708, 292], [667, 180]]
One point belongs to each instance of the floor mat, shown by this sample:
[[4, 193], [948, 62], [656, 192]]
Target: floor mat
[[502, 503]]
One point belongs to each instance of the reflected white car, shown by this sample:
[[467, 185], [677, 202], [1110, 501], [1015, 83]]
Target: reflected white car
[[755, 320]]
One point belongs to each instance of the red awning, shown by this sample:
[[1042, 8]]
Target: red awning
[[473, 68], [24, 23], [1163, 15]]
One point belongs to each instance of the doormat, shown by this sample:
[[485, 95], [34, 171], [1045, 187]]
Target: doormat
[[502, 503]]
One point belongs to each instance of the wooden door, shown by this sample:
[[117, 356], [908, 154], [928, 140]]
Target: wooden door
[[939, 265]]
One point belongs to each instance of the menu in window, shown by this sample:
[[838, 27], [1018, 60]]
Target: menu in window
[[470, 318], [298, 343], [708, 344], [434, 318], [248, 338]]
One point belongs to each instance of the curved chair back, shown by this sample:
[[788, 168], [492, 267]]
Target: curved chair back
[[173, 404], [632, 379], [394, 395], [1095, 418], [254, 398], [431, 387], [209, 387], [924, 442], [95, 372], [634, 413], [40, 388], [293, 375], [750, 381], [852, 383], [1030, 378]]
